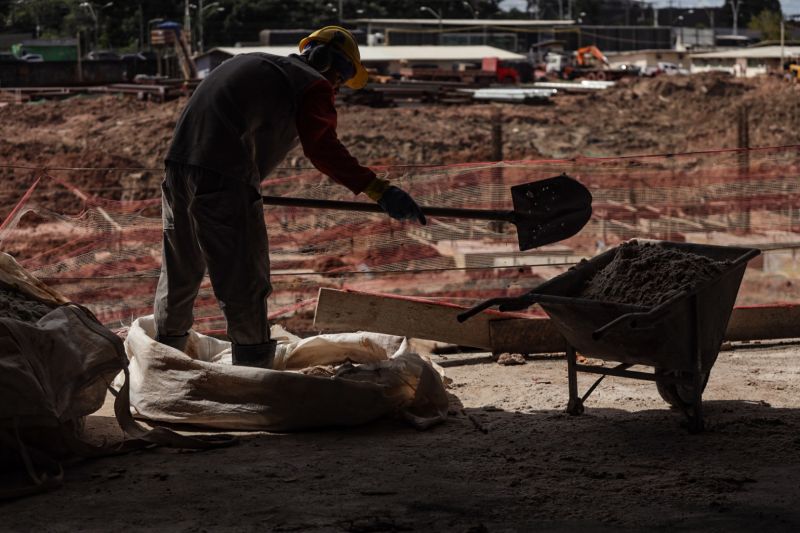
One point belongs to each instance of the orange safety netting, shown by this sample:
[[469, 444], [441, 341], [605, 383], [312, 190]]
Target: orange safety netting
[[105, 253]]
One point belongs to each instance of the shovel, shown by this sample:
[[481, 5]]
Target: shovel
[[545, 211]]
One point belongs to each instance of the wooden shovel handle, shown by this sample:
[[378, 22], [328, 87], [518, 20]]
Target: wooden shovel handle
[[445, 212]]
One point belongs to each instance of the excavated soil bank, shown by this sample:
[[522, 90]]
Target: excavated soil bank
[[649, 274], [16, 305], [637, 116]]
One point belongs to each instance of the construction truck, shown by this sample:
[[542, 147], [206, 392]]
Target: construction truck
[[588, 63], [508, 72], [491, 70]]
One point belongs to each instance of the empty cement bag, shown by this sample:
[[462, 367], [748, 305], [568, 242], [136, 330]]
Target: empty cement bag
[[324, 381]]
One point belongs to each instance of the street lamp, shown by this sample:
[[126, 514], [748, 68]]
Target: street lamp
[[204, 11], [437, 15], [90, 8], [471, 8], [735, 5], [33, 11]]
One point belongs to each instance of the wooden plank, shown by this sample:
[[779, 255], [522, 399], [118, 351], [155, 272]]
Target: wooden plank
[[351, 311], [764, 323], [339, 311]]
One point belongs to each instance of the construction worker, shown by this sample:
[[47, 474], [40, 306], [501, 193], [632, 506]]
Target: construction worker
[[238, 125]]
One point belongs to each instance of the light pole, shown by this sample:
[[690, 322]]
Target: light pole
[[735, 5], [90, 8], [710, 13], [437, 15], [471, 8], [33, 10], [475, 16], [204, 11]]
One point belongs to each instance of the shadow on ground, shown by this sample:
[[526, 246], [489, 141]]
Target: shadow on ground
[[484, 470]]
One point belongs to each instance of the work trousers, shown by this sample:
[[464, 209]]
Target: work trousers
[[213, 222]]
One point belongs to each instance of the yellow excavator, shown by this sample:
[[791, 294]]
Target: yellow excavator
[[794, 70]]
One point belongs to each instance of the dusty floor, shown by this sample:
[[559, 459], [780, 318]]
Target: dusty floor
[[508, 459]]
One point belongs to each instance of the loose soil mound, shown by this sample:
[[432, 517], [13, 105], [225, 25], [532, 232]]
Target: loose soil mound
[[650, 274], [658, 115], [16, 305]]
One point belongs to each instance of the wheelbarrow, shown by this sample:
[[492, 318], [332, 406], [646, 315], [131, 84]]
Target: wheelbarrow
[[679, 338]]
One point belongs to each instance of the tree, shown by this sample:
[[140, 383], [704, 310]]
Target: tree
[[747, 10], [768, 23], [125, 23]]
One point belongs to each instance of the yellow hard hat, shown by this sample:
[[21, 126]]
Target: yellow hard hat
[[344, 41]]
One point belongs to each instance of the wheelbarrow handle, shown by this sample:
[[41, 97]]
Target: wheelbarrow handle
[[511, 303], [637, 320], [469, 313]]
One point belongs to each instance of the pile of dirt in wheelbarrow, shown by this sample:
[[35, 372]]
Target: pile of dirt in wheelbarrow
[[649, 274], [18, 306]]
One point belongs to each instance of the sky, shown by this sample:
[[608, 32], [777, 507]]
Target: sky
[[790, 7]]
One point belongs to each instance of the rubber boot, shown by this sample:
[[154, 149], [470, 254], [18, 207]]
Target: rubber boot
[[256, 355], [178, 341]]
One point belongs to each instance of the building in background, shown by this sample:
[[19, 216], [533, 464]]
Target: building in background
[[746, 62], [383, 59]]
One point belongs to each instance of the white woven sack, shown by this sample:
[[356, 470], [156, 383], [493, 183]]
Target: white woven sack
[[377, 376]]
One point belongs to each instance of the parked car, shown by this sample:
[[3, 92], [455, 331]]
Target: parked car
[[32, 58], [102, 55], [8, 57], [670, 69], [136, 56]]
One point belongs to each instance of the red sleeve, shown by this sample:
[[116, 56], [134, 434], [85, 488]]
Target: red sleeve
[[316, 127]]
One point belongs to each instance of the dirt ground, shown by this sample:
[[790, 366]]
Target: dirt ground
[[507, 459], [638, 116]]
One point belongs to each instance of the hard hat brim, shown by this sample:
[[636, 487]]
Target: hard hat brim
[[356, 82], [360, 79]]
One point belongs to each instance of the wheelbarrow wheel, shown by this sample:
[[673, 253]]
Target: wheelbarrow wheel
[[677, 395]]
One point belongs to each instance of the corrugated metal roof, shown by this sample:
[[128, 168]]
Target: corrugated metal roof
[[396, 53], [762, 52], [467, 22]]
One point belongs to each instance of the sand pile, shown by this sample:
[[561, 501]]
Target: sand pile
[[649, 274], [16, 305]]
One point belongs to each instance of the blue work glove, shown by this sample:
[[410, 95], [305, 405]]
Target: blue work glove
[[397, 203]]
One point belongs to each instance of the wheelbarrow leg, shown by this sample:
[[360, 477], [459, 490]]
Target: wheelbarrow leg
[[695, 412], [575, 404], [696, 424]]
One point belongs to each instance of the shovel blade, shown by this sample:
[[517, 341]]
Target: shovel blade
[[550, 210]]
